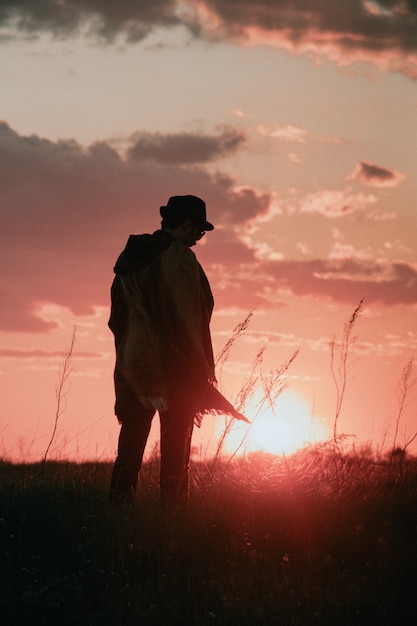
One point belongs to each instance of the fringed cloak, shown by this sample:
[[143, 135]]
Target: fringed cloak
[[161, 310]]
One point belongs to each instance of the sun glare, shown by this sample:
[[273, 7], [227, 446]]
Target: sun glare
[[281, 429]]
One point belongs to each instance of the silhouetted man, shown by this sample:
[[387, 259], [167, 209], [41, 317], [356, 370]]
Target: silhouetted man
[[161, 309]]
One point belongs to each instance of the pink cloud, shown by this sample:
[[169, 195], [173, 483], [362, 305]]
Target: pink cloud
[[376, 176], [335, 203], [379, 33], [287, 134], [348, 280], [67, 213]]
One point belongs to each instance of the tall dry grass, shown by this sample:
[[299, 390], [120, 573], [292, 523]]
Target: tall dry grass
[[268, 541]]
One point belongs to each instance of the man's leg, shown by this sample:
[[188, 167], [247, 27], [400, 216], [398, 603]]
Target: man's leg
[[176, 433], [134, 432]]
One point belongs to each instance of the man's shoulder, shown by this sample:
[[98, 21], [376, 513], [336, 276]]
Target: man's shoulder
[[141, 250]]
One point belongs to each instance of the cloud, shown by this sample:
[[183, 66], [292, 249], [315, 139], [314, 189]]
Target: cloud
[[295, 134], [335, 203], [376, 176], [253, 280], [347, 280], [287, 134], [185, 147], [382, 33], [379, 32], [342, 250], [106, 19], [66, 213]]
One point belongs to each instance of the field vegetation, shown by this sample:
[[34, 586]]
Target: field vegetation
[[325, 536], [315, 538]]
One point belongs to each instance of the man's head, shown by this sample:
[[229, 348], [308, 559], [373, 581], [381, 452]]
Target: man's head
[[185, 216], [182, 208]]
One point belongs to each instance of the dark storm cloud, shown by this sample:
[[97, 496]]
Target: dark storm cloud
[[378, 32], [185, 147], [106, 18]]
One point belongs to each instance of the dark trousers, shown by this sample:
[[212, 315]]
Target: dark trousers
[[176, 426]]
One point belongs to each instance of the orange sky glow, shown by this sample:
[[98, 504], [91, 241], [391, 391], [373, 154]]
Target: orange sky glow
[[295, 122]]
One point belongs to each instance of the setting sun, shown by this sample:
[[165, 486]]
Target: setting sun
[[281, 429]]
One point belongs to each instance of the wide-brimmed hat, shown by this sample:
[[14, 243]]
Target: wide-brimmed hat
[[182, 208]]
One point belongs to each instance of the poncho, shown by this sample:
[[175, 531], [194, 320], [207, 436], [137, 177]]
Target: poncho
[[161, 310]]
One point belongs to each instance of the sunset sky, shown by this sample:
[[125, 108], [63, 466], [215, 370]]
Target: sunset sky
[[296, 122]]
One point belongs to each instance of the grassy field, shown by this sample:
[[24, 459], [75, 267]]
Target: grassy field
[[310, 539]]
